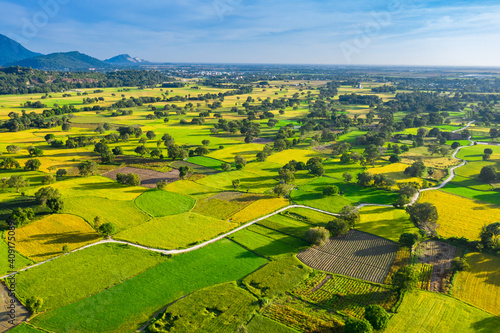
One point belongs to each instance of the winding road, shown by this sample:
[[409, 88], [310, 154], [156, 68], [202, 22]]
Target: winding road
[[218, 238]]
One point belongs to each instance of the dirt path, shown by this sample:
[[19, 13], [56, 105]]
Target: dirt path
[[321, 284], [10, 309]]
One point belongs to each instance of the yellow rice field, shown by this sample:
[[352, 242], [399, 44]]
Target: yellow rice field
[[259, 208], [299, 155], [460, 217], [480, 286], [46, 237]]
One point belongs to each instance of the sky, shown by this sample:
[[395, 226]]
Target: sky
[[353, 32]]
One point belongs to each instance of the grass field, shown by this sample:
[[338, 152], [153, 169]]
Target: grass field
[[221, 308], [177, 231], [264, 245], [259, 208], [159, 203], [485, 196], [480, 286], [20, 261], [123, 214], [357, 254], [248, 151], [285, 156], [385, 222], [84, 273], [206, 162], [423, 311], [276, 277], [24, 328], [460, 217], [95, 186], [192, 189], [224, 204], [125, 306], [261, 324], [46, 237]]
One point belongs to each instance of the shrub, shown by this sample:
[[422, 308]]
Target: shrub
[[317, 236], [408, 239], [405, 278], [161, 184], [48, 179], [376, 316], [107, 229], [34, 304], [353, 325], [460, 264], [488, 174], [131, 179], [338, 227], [331, 190]]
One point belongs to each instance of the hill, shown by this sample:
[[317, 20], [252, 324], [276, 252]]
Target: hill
[[11, 51], [71, 61], [126, 60]]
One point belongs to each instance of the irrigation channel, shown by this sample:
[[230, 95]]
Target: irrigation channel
[[218, 238]]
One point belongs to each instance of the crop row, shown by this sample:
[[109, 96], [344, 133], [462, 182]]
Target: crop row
[[424, 273]]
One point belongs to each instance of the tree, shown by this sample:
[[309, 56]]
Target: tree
[[48, 179], [315, 166], [486, 157], [205, 142], [415, 170], [347, 177], [240, 162], [405, 278], [87, 168], [17, 182], [394, 159], [9, 163], [460, 264], [13, 149], [107, 229], [150, 135], [56, 204], [261, 156], [175, 152], [185, 171], [494, 133], [455, 145], [21, 216], [488, 174], [286, 176], [45, 194], [36, 152], [141, 150], [66, 127], [130, 179], [201, 151], [422, 213], [490, 235], [117, 150], [32, 165], [338, 227], [396, 149], [236, 183], [350, 214], [282, 190], [444, 151], [97, 222], [317, 236], [376, 316], [353, 325], [408, 239], [331, 190], [61, 173], [34, 304], [365, 179], [65, 248], [226, 167]]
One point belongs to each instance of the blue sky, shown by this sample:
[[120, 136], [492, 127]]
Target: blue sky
[[393, 32]]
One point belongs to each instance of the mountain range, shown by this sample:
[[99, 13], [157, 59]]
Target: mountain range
[[14, 54]]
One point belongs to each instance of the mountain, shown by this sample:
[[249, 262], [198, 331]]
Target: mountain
[[11, 51], [126, 60], [72, 61]]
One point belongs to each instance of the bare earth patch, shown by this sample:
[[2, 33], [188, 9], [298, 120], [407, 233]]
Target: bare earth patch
[[149, 178], [21, 314], [439, 255], [263, 141]]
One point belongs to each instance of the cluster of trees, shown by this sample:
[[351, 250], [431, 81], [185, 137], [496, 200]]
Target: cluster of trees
[[341, 225]]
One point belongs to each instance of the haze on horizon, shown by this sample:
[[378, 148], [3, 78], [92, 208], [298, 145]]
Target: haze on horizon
[[393, 32]]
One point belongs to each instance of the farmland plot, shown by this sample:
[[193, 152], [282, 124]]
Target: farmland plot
[[149, 178], [344, 295], [357, 254], [439, 255]]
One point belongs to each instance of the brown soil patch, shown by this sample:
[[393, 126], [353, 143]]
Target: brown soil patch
[[20, 312], [323, 147], [439, 255], [149, 178]]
